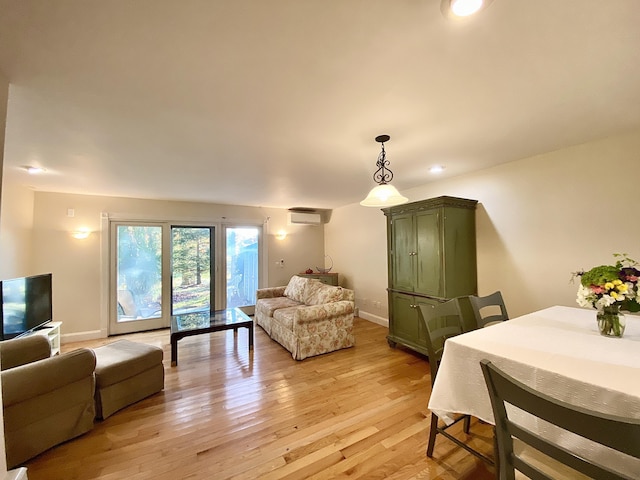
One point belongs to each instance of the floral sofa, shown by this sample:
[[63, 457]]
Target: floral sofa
[[307, 317]]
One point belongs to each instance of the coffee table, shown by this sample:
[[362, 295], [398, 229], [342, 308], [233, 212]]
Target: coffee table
[[196, 323]]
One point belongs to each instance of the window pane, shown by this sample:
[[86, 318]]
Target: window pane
[[191, 265], [139, 272], [242, 266]]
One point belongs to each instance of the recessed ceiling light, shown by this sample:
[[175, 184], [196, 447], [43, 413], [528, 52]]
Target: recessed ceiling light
[[436, 169], [462, 8], [34, 170]]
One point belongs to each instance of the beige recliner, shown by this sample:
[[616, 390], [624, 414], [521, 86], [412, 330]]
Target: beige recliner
[[47, 400]]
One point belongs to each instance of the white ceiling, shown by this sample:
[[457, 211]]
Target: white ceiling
[[277, 102]]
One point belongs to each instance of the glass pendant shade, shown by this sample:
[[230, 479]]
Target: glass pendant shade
[[384, 195]]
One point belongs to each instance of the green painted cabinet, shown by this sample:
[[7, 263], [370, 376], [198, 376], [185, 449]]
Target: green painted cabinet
[[431, 258]]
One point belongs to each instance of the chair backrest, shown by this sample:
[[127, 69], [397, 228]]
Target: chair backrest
[[494, 300], [618, 433], [23, 350], [441, 321]]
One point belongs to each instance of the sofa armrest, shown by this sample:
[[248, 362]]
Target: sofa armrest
[[324, 311], [38, 378], [23, 350], [271, 292]]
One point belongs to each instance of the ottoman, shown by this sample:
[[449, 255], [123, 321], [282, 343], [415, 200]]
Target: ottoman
[[125, 373]]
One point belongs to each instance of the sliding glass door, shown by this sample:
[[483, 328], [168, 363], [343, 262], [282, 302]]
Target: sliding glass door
[[159, 269], [137, 278]]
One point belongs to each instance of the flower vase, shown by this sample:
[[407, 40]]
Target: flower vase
[[611, 322]]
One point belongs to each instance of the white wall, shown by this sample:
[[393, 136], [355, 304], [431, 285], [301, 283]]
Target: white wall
[[16, 231], [538, 220], [77, 264], [356, 239]]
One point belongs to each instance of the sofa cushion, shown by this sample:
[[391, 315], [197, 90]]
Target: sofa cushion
[[318, 294], [267, 306], [285, 316], [124, 359], [297, 286]]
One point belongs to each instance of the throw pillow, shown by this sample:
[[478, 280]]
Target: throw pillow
[[319, 293], [295, 289]]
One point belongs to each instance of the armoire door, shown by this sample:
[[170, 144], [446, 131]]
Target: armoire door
[[428, 258], [403, 240]]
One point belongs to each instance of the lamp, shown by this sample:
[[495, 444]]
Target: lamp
[[384, 195], [31, 170], [81, 233]]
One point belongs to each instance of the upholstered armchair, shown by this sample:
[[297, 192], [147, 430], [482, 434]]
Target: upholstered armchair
[[47, 400]]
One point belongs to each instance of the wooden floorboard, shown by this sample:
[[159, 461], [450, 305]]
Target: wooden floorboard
[[226, 413]]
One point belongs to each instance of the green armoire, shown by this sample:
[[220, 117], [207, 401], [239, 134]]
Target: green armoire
[[431, 258]]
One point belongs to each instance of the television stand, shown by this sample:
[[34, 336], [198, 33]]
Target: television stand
[[52, 332], [43, 327]]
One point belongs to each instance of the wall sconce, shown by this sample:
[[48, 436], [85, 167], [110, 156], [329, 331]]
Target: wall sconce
[[384, 195], [31, 170], [81, 233], [281, 235]]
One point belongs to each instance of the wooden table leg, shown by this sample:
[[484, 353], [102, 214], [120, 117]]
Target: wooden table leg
[[174, 351]]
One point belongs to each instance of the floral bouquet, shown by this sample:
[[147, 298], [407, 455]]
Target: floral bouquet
[[610, 289]]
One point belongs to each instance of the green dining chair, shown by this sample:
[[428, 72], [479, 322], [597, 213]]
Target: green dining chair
[[443, 321], [521, 450], [485, 309]]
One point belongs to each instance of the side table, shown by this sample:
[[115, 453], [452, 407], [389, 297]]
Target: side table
[[326, 278]]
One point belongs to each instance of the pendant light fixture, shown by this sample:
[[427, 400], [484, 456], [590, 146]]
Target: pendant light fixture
[[384, 195]]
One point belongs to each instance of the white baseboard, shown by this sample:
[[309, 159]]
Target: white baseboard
[[374, 318], [82, 336]]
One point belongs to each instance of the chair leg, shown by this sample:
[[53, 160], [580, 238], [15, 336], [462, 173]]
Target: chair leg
[[467, 422], [496, 455], [433, 431]]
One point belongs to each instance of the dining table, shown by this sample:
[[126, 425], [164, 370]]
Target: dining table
[[558, 351]]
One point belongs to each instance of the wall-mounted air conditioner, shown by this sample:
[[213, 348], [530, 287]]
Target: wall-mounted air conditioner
[[304, 218]]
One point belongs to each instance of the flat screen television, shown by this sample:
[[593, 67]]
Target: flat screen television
[[26, 304]]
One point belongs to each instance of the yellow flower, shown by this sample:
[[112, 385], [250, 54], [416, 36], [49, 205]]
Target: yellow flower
[[608, 285], [617, 282], [613, 294], [622, 288]]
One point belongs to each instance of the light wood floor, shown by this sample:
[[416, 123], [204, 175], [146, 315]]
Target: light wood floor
[[224, 413]]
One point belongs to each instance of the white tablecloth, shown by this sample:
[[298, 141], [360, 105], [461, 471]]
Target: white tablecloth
[[558, 351]]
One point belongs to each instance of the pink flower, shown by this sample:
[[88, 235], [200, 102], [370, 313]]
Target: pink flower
[[597, 289]]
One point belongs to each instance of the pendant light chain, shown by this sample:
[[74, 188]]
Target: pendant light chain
[[383, 175]]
